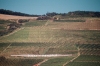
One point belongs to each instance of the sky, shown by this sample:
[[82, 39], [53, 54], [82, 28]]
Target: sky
[[40, 7]]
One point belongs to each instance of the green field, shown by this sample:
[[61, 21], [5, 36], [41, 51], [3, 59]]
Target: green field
[[84, 64], [86, 60], [89, 49], [57, 61], [70, 20], [45, 34], [3, 46]]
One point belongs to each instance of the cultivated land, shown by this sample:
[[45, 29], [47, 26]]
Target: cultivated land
[[7, 17], [76, 36]]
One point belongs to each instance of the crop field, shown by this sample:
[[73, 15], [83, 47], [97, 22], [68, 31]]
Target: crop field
[[86, 60], [70, 20], [89, 49], [46, 37], [19, 62], [3, 46], [56, 61], [37, 48], [89, 55]]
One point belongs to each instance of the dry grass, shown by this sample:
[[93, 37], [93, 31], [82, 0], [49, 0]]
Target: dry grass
[[7, 17], [89, 24]]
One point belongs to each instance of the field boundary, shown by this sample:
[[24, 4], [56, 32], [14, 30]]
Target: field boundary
[[12, 32], [6, 48], [73, 58], [38, 64]]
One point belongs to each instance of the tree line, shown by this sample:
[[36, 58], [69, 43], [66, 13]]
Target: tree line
[[51, 14], [9, 12], [76, 14]]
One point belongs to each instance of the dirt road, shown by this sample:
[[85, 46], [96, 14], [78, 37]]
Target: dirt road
[[48, 55]]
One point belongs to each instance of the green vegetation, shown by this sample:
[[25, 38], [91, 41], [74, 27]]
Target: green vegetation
[[86, 60], [9, 12], [69, 20], [19, 62], [3, 46], [88, 46], [42, 34], [21, 34], [38, 38], [4, 21], [38, 48], [6, 27], [35, 23], [2, 28], [89, 49], [3, 24], [63, 49], [57, 61], [83, 64]]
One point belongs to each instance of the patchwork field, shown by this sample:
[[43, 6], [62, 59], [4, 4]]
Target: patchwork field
[[77, 37]]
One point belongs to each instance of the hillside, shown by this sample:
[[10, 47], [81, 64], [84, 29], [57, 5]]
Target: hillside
[[7, 17], [28, 42]]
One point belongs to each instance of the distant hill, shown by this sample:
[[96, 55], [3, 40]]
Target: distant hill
[[84, 14], [9, 12], [76, 14]]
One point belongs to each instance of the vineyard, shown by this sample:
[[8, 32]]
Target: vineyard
[[85, 60], [19, 62], [46, 37]]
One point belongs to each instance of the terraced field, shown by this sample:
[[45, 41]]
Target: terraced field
[[46, 37], [85, 60], [57, 61]]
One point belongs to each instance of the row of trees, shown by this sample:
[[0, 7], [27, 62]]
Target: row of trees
[[76, 14], [70, 14], [9, 12]]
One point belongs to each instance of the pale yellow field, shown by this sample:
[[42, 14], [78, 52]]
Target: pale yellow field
[[7, 17]]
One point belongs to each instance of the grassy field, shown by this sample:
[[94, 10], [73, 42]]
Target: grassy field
[[42, 34], [35, 23]]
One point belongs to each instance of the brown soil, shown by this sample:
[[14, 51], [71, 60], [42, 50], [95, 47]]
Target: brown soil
[[7, 17], [88, 25]]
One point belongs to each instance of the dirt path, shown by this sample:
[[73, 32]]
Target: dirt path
[[47, 22], [41, 62], [48, 55], [12, 32], [6, 48], [73, 58]]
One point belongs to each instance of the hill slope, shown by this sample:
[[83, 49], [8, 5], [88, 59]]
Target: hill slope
[[7, 17]]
